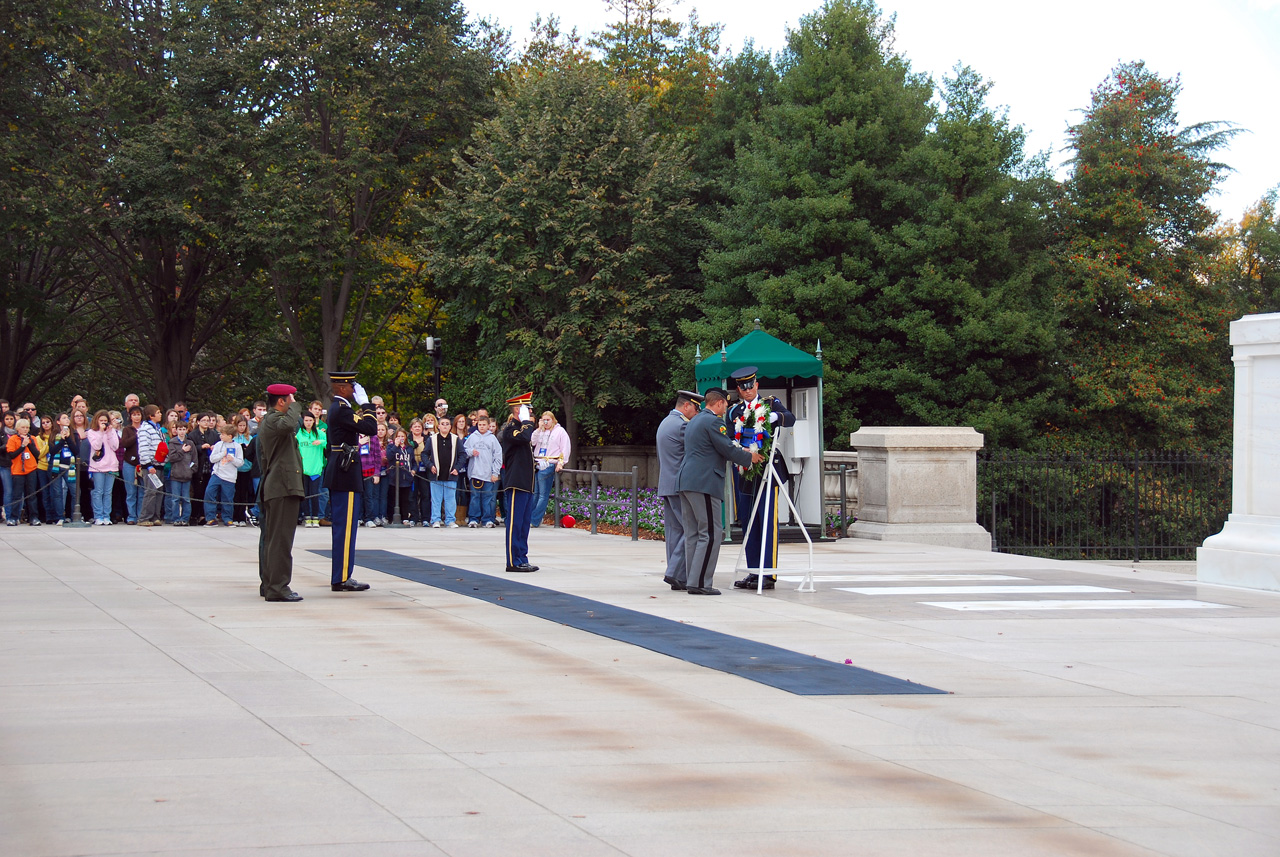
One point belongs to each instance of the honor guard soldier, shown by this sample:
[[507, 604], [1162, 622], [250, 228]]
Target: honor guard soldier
[[516, 437], [279, 493], [707, 448], [670, 443], [750, 427], [343, 475]]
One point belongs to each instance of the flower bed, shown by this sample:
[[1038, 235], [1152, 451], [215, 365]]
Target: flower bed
[[614, 519]]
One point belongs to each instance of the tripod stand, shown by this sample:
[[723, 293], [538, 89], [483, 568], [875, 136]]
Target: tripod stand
[[765, 495]]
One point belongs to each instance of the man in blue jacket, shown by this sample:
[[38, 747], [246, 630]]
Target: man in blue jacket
[[707, 448]]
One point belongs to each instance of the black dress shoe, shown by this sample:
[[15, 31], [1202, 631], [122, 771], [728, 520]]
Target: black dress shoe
[[351, 585], [752, 582], [523, 567], [674, 584], [702, 590], [290, 598]]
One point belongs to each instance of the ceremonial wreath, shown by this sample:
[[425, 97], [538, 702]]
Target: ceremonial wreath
[[751, 429]]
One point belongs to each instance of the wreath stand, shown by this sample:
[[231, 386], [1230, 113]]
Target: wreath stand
[[771, 479]]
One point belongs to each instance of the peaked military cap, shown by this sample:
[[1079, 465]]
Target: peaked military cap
[[745, 375]]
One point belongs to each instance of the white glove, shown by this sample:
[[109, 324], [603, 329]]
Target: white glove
[[773, 418], [525, 414], [358, 393]]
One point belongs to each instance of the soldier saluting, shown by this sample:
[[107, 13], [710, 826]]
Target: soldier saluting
[[343, 476]]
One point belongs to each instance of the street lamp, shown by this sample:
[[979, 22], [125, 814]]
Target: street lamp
[[435, 347]]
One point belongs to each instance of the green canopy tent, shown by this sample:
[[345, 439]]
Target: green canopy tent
[[795, 377], [777, 362]]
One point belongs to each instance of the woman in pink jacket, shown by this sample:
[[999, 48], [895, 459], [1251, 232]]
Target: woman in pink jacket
[[103, 465], [551, 454]]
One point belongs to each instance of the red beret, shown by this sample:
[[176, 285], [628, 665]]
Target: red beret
[[281, 390]]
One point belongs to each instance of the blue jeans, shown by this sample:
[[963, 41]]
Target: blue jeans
[[219, 498], [55, 498], [543, 481], [443, 493], [101, 496], [482, 508], [253, 510], [6, 480], [375, 498], [38, 483], [20, 485], [310, 505], [132, 491], [179, 501], [322, 502]]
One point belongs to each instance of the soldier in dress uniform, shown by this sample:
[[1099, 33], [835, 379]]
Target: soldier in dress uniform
[[346, 484], [707, 448], [279, 493], [516, 437], [761, 532], [670, 443]]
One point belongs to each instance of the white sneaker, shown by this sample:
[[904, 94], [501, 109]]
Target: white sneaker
[[370, 524], [435, 525], [491, 525], [453, 525], [471, 525]]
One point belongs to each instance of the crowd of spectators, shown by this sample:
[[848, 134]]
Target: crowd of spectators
[[146, 466]]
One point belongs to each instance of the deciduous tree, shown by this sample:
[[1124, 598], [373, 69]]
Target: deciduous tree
[[1145, 319], [559, 239]]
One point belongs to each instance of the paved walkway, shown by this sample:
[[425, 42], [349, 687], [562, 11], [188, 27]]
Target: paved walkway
[[151, 703]]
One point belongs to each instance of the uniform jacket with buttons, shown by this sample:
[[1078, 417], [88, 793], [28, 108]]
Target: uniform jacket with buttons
[[707, 448], [278, 454]]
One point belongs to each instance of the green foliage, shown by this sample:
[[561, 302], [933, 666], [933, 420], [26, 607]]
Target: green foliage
[[1145, 319], [357, 106], [672, 66], [559, 241], [1251, 257], [898, 237]]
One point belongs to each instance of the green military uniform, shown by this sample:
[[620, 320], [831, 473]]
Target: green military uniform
[[279, 494]]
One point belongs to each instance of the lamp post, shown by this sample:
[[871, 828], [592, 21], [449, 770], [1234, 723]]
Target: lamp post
[[435, 347]]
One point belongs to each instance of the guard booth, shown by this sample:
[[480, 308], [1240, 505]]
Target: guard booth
[[796, 378]]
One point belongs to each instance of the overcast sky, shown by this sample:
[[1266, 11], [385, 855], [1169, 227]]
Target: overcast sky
[[1044, 58]]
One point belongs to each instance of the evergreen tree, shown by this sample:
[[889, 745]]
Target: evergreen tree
[[852, 222], [1145, 318]]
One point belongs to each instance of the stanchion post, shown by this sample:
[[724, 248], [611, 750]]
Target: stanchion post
[[635, 503], [595, 482], [77, 520]]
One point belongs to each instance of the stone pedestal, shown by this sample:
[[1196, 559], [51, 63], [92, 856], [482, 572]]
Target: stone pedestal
[[919, 485], [1247, 551]]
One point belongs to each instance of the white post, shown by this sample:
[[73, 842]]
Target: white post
[[1247, 551]]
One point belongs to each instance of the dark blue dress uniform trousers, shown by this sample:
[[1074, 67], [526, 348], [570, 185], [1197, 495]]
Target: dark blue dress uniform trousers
[[345, 507], [761, 530], [519, 517]]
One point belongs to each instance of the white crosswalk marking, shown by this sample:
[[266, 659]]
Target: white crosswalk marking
[[896, 578], [975, 590], [1098, 604]]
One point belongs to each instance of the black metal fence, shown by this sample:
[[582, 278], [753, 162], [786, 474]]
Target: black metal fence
[[1104, 505]]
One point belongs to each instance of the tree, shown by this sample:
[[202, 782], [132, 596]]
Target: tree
[[671, 65], [358, 106], [167, 156], [51, 309], [1147, 361], [1251, 254], [909, 250], [558, 241]]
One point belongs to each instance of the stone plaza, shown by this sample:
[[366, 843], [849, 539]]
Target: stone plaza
[[152, 703]]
